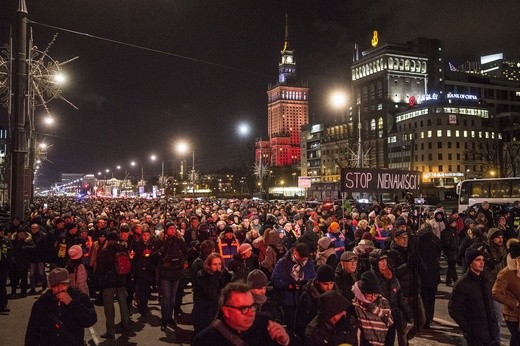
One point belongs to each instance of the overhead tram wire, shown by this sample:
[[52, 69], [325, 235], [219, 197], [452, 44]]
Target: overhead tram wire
[[200, 61]]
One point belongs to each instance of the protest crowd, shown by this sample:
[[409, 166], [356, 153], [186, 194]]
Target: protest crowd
[[262, 273]]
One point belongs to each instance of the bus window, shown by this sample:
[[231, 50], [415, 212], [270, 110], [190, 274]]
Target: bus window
[[500, 189], [478, 190], [515, 189]]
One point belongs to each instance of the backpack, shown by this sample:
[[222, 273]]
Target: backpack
[[122, 261]]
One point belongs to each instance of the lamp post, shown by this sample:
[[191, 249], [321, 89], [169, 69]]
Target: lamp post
[[244, 129], [183, 148]]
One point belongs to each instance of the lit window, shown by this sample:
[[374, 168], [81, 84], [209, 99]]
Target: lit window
[[448, 133], [457, 133], [472, 134], [439, 133], [465, 134], [422, 134], [373, 124], [380, 123], [429, 134]]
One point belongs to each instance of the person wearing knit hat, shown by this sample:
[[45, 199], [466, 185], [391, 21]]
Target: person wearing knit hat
[[326, 253], [75, 252], [471, 305], [337, 238], [506, 290], [308, 303], [77, 270], [369, 283], [243, 262], [60, 308], [334, 324], [257, 279]]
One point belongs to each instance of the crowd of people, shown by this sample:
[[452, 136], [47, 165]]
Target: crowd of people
[[262, 273]]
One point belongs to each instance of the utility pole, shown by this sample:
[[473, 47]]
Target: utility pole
[[20, 76], [360, 144]]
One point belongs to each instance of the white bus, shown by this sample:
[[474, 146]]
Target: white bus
[[493, 190]]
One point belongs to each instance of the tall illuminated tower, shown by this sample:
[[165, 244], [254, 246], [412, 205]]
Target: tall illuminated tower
[[287, 110]]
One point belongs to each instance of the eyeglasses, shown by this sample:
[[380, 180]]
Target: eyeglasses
[[244, 309]]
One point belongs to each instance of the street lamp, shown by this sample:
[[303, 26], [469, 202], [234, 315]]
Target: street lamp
[[338, 100], [244, 130], [183, 148]]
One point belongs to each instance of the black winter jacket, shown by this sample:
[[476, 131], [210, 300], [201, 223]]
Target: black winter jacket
[[344, 282], [471, 306], [54, 323], [450, 242], [106, 273], [429, 250]]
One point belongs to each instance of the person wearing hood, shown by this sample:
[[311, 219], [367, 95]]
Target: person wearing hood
[[243, 262], [391, 290], [429, 250], [475, 239], [363, 250], [438, 222], [274, 250], [506, 291], [471, 305], [346, 274], [326, 253], [335, 323], [308, 302], [495, 261], [227, 245], [372, 310]]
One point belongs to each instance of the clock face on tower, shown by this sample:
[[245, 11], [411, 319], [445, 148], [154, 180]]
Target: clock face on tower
[[288, 59]]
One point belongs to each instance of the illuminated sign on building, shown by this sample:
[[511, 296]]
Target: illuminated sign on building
[[375, 39], [413, 100], [461, 96]]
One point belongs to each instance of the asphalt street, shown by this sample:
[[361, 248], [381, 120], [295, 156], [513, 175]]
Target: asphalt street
[[146, 330]]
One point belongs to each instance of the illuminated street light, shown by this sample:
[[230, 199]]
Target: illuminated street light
[[338, 99], [59, 78], [243, 129], [48, 120]]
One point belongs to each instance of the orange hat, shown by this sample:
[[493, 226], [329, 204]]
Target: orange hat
[[334, 226]]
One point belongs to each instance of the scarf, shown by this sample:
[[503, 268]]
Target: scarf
[[297, 273]]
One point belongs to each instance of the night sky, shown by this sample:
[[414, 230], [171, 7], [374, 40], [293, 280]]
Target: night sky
[[223, 55]]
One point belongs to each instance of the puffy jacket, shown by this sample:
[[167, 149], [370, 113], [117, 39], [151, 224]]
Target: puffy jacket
[[471, 306], [506, 290]]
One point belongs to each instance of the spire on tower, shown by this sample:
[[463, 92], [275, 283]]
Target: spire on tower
[[286, 42]]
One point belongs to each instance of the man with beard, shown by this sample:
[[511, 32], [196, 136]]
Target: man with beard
[[238, 322]]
